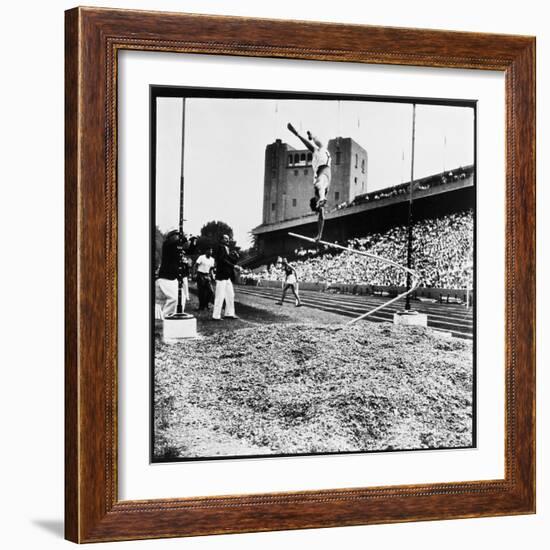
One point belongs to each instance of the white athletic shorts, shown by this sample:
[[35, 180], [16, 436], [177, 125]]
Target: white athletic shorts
[[291, 280], [321, 184]]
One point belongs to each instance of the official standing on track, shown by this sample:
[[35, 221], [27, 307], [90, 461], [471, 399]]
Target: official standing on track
[[290, 283], [225, 274]]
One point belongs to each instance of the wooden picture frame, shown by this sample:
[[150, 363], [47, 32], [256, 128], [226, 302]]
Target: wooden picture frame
[[93, 511]]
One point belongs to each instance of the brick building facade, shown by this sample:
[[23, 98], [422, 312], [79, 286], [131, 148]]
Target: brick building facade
[[288, 178]]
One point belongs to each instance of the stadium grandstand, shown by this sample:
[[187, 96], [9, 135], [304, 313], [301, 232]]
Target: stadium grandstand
[[442, 252]]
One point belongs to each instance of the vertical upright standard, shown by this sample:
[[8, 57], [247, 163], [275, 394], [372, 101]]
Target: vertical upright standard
[[409, 215], [180, 325], [179, 307]]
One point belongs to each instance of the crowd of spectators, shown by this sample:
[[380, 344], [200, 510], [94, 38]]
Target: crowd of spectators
[[419, 185], [403, 189], [442, 253]]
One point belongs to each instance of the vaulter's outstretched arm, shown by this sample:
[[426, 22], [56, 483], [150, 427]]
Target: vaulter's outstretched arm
[[307, 142]]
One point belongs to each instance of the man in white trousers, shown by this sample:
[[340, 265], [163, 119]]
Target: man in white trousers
[[166, 284], [225, 274]]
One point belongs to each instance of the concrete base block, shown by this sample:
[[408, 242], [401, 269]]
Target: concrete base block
[[179, 327], [411, 318]]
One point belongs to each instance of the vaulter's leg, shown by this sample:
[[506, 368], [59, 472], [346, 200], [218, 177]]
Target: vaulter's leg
[[320, 223], [285, 288], [321, 186], [294, 289]]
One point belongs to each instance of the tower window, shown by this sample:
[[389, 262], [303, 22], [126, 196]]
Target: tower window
[[355, 181], [303, 157], [296, 159], [338, 159], [356, 160], [306, 171], [295, 172], [309, 157], [289, 159], [363, 166], [272, 207], [294, 202], [337, 195]]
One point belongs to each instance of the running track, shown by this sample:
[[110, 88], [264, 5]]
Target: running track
[[450, 317]]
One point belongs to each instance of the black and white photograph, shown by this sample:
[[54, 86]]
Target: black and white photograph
[[312, 273], [287, 263]]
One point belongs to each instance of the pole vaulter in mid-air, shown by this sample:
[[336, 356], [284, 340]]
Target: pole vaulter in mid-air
[[321, 175], [321, 183]]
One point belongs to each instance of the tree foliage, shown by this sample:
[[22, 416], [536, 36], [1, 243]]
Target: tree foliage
[[211, 233]]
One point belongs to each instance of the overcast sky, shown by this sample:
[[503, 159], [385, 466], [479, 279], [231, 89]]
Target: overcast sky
[[225, 142]]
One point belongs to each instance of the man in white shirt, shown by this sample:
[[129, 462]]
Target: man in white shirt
[[321, 175], [204, 267]]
